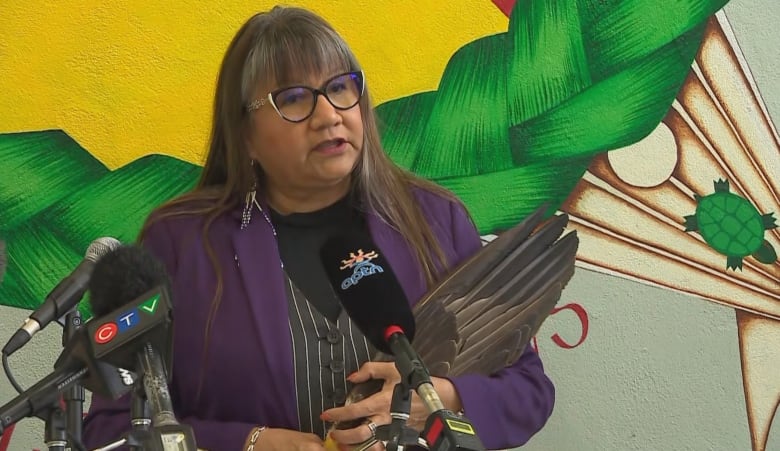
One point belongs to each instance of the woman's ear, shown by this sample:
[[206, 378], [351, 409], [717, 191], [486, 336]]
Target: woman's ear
[[250, 144]]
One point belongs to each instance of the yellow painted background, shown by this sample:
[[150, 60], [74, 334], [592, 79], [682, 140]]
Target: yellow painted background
[[129, 78]]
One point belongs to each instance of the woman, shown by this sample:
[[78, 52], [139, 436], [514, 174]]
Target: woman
[[263, 349]]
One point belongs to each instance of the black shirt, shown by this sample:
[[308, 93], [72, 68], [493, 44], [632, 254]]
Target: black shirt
[[300, 237]]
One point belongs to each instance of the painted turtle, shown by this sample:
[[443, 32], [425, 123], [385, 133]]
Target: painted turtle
[[731, 225]]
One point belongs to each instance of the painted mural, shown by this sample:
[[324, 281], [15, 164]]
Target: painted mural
[[703, 215], [641, 123]]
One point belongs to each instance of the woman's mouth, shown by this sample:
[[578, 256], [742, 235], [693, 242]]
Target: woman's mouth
[[331, 146]]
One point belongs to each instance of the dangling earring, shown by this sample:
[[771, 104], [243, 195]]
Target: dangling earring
[[249, 201]]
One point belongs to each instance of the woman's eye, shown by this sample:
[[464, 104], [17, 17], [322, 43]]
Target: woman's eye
[[291, 96], [337, 87]]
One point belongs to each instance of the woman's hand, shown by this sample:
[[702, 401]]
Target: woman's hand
[[376, 408], [357, 437], [272, 439], [352, 439]]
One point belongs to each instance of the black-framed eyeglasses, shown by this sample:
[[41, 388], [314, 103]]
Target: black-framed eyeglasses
[[297, 103]]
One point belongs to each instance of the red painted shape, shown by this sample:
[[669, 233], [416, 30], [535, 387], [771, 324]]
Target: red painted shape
[[582, 315], [5, 439], [505, 6]]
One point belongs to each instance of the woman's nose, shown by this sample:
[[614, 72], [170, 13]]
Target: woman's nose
[[325, 114]]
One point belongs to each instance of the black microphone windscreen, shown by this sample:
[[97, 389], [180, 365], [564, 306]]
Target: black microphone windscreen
[[121, 276], [367, 286]]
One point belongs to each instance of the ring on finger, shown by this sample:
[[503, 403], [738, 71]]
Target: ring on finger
[[372, 427]]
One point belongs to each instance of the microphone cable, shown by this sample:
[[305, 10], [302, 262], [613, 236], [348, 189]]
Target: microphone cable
[[9, 375]]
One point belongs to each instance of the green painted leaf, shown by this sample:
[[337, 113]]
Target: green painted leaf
[[546, 55], [117, 204], [466, 132], [38, 169], [617, 111], [45, 245], [568, 80], [401, 138], [621, 32], [496, 200]]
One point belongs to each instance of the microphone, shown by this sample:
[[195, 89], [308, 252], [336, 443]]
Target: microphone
[[76, 364], [63, 297], [129, 290], [373, 297]]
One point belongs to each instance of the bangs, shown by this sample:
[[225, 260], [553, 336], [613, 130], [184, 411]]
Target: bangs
[[289, 52]]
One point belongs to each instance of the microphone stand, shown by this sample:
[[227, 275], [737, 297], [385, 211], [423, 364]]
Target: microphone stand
[[166, 433], [443, 429], [73, 396], [139, 436], [397, 433], [55, 435], [141, 418], [63, 428]]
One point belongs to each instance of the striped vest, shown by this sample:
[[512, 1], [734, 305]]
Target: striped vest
[[325, 354]]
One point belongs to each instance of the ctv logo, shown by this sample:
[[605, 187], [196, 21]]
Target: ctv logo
[[126, 321]]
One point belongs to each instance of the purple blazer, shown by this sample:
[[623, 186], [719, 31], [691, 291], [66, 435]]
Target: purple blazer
[[248, 376]]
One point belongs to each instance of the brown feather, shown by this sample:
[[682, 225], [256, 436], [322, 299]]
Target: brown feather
[[481, 317]]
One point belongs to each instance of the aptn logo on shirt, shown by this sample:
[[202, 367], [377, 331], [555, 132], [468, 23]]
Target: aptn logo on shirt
[[361, 266]]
